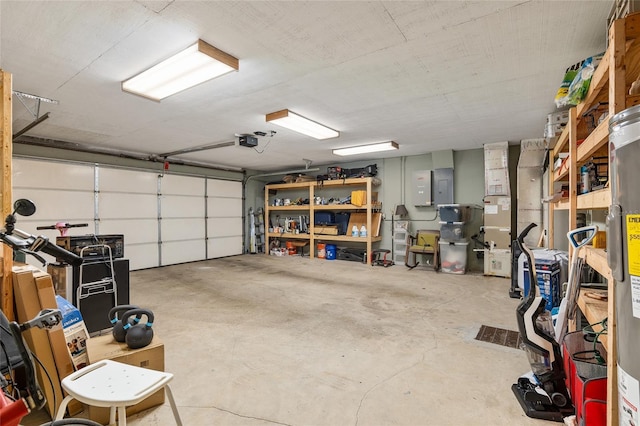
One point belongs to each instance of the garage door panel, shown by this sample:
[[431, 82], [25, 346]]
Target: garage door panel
[[182, 229], [135, 231], [224, 227], [226, 246], [174, 206], [224, 207], [182, 185], [182, 251], [51, 175], [142, 255], [117, 180], [223, 188], [58, 206], [134, 206]]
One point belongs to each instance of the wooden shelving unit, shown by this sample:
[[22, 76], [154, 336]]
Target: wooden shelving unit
[[610, 83], [309, 190], [6, 263]]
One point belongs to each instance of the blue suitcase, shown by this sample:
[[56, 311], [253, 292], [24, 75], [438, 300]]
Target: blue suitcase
[[323, 218]]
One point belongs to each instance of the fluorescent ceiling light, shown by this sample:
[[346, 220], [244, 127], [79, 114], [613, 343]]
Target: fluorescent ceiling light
[[300, 124], [364, 149], [194, 65]]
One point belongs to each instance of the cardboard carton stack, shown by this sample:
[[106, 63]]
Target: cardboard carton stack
[[33, 290]]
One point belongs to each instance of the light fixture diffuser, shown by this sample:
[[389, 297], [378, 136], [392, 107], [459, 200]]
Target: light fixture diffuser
[[300, 124], [365, 149], [196, 64]]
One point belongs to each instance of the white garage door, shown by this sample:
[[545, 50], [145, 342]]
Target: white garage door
[[224, 218], [182, 219], [165, 219], [128, 205]]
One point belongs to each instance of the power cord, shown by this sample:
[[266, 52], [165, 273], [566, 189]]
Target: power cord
[[590, 333]]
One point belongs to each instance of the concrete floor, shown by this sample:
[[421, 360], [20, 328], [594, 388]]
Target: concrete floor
[[259, 340]]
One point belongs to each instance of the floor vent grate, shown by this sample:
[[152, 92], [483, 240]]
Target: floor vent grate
[[499, 336]]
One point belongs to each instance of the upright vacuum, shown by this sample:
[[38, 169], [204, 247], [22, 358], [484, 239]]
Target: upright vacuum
[[542, 393]]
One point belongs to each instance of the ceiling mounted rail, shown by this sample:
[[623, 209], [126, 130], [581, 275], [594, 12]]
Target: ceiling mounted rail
[[35, 113], [196, 149]]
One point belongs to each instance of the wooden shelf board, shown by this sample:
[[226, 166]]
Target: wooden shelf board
[[561, 174], [339, 207], [600, 199], [633, 100], [597, 259], [563, 140], [594, 311], [352, 181], [562, 204], [289, 235], [290, 185], [593, 142], [280, 208], [598, 82], [345, 238], [632, 26], [338, 182]]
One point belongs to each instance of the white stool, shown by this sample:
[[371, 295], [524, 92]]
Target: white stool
[[115, 385]]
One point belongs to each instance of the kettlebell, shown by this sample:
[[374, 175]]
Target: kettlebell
[[138, 335], [118, 327]]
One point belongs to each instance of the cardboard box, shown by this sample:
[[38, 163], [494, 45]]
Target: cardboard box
[[326, 229], [34, 292], [27, 307], [75, 332], [151, 356], [359, 197], [548, 276], [359, 219], [61, 355]]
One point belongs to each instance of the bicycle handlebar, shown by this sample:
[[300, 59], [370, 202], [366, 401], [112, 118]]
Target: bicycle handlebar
[[63, 225], [30, 244]]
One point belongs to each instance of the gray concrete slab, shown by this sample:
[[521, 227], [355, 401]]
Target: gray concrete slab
[[257, 340]]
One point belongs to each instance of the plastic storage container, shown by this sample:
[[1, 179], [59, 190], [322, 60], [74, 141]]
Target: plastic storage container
[[330, 251], [452, 231], [450, 213], [322, 253], [453, 257]]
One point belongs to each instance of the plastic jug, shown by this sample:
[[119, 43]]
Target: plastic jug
[[363, 231], [354, 231]]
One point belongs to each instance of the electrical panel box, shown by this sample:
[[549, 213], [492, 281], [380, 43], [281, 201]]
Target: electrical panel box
[[422, 188], [443, 186]]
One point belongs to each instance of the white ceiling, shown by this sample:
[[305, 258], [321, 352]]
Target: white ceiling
[[430, 75]]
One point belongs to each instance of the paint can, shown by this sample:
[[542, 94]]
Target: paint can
[[291, 249]]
